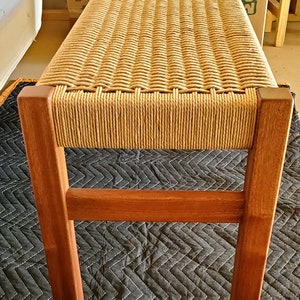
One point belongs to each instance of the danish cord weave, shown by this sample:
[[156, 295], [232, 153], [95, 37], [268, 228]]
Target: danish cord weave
[[158, 74]]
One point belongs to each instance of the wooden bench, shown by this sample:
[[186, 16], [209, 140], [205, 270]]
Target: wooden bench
[[157, 74]]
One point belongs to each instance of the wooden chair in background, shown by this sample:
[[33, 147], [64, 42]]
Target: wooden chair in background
[[281, 12]]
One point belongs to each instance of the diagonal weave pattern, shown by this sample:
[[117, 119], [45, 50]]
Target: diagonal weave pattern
[[122, 260], [158, 74]]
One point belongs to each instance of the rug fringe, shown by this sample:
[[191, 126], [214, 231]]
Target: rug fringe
[[4, 95]]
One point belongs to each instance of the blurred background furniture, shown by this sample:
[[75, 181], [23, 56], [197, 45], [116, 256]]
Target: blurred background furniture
[[281, 11]]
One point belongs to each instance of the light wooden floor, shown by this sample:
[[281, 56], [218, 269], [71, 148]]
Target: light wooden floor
[[284, 62]]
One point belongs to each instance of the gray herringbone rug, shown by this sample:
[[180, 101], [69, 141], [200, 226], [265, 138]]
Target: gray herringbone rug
[[142, 260]]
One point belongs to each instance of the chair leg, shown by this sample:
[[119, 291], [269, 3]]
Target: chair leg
[[281, 24], [50, 183], [263, 175], [269, 21]]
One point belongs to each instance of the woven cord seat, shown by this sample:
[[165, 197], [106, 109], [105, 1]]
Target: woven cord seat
[[170, 74], [140, 66]]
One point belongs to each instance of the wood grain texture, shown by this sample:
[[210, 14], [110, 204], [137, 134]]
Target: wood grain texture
[[50, 183], [262, 181], [154, 205]]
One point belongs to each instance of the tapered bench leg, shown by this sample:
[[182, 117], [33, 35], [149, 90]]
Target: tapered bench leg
[[50, 183], [263, 175]]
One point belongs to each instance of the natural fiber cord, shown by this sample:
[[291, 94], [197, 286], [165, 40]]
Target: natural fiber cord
[[158, 74], [154, 120]]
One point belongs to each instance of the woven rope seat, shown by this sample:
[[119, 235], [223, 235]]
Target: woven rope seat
[[158, 74]]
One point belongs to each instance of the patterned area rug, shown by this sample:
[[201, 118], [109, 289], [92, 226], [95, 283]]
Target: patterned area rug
[[123, 260]]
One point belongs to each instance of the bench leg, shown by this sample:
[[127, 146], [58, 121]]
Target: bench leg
[[50, 183], [263, 175]]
